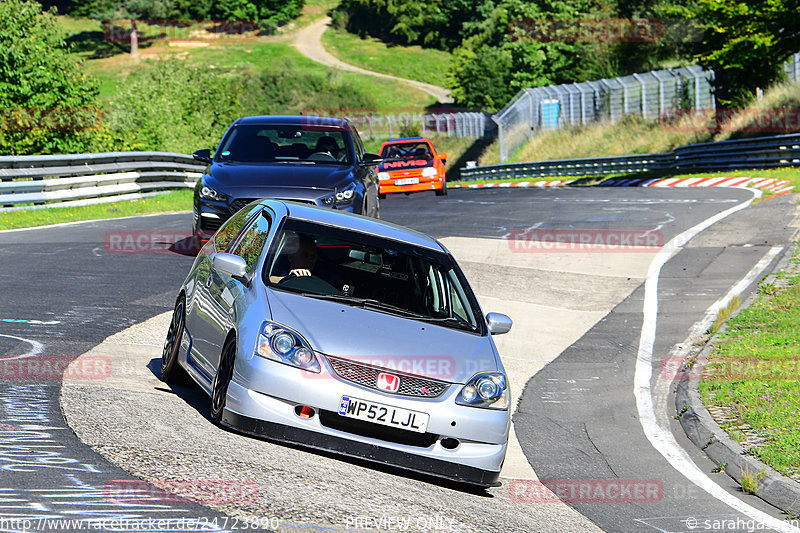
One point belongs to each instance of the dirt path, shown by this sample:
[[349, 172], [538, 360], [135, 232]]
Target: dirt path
[[308, 42]]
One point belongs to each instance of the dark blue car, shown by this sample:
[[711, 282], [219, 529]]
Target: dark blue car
[[314, 160]]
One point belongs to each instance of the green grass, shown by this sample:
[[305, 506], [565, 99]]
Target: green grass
[[180, 200], [754, 372], [413, 62]]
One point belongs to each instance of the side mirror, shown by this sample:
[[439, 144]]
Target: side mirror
[[441, 156], [203, 155], [371, 160], [498, 323], [232, 265]]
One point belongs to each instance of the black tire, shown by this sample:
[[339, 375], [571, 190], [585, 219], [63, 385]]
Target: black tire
[[443, 190], [219, 387], [381, 195], [171, 371]]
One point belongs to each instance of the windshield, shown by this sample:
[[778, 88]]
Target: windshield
[[407, 150], [263, 143], [370, 272]]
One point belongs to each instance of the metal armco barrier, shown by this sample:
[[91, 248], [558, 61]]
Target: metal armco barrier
[[91, 178], [763, 152]]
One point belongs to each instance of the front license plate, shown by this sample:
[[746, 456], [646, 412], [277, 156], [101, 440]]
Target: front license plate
[[406, 181], [383, 414]]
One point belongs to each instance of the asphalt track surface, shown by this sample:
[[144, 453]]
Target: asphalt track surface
[[576, 420]]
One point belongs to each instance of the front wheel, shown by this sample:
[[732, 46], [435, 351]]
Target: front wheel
[[443, 190], [219, 387], [171, 371]]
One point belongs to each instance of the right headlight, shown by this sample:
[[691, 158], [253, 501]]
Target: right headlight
[[485, 389], [283, 345], [383, 176], [207, 193]]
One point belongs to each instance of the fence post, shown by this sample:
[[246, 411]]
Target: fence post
[[500, 135], [644, 95]]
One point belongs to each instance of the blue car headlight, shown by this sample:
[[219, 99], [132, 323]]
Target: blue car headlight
[[207, 193], [485, 389], [342, 196], [283, 345]]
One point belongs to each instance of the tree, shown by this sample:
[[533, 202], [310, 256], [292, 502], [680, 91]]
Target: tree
[[746, 42], [48, 103], [508, 53]]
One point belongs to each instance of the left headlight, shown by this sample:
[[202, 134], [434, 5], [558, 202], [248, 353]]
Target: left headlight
[[283, 345], [429, 172], [486, 389], [343, 196], [207, 193]]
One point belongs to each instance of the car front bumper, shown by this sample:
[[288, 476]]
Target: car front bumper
[[263, 397], [425, 184]]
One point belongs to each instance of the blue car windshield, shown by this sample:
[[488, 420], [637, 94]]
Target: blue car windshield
[[264, 143], [372, 272]]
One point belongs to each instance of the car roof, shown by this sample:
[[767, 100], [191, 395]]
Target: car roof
[[293, 120], [404, 139], [349, 221]]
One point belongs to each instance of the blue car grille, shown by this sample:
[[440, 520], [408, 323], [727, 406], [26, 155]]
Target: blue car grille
[[367, 376]]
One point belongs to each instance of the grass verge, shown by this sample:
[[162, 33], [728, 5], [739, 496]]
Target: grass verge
[[754, 374], [180, 200]]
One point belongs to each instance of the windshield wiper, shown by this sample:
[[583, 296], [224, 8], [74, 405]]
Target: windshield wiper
[[449, 321], [366, 302]]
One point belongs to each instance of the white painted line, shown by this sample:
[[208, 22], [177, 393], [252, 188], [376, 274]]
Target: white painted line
[[36, 348], [660, 437], [37, 322], [61, 224], [713, 311]]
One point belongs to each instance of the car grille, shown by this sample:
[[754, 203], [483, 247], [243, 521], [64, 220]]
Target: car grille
[[367, 376], [376, 431], [239, 203], [210, 224]]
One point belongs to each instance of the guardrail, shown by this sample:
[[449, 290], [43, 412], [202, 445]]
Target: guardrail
[[80, 179], [763, 152]]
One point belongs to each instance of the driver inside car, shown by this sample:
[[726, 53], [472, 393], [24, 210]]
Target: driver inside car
[[300, 254]]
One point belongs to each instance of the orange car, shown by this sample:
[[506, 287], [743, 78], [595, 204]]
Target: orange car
[[411, 165]]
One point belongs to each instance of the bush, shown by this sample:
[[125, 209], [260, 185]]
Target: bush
[[47, 102], [172, 106]]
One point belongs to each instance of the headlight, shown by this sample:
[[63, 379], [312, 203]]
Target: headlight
[[344, 196], [384, 176], [429, 172], [285, 346], [486, 389], [207, 193]]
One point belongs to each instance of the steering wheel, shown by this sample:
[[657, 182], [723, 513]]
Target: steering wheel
[[310, 283]]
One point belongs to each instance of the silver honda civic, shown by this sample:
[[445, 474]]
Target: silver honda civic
[[344, 333]]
